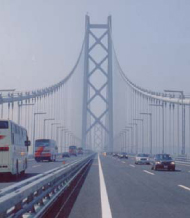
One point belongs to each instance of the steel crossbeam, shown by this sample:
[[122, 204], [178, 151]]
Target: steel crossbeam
[[89, 85]]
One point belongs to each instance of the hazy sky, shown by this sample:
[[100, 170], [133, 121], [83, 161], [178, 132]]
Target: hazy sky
[[40, 40]]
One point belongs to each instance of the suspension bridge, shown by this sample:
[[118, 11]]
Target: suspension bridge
[[97, 107]]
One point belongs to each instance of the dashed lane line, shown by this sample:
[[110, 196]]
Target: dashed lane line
[[184, 187], [123, 162], [148, 172], [106, 211], [36, 166], [132, 165]]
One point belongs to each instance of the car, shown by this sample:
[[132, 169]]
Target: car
[[65, 154], [142, 159], [123, 155], [80, 150], [164, 162], [114, 154]]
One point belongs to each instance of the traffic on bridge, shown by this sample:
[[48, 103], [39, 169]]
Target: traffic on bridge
[[97, 141]]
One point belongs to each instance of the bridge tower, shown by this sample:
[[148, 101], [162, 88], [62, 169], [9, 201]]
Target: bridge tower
[[97, 95]]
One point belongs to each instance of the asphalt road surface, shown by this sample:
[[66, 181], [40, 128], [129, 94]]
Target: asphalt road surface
[[133, 191]]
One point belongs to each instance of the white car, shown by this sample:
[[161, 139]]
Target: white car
[[142, 159]]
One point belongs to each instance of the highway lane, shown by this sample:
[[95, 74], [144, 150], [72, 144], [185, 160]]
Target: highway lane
[[137, 191], [33, 169], [88, 204]]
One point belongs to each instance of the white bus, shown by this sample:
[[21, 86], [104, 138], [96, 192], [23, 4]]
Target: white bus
[[13, 148]]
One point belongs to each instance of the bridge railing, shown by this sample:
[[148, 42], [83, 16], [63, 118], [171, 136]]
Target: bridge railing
[[34, 196]]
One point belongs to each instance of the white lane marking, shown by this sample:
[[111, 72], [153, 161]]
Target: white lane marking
[[185, 187], [148, 172], [123, 162], [189, 171], [131, 165], [106, 211], [36, 166]]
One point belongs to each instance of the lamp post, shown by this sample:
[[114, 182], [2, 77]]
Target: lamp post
[[19, 106], [163, 127], [135, 124], [48, 119], [142, 121], [149, 114], [38, 113], [4, 90], [183, 117], [132, 143], [125, 140], [57, 131], [63, 129], [53, 124]]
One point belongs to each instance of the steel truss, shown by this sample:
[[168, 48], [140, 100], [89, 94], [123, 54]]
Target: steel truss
[[105, 118]]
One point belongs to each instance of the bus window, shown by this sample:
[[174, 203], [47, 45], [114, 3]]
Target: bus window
[[42, 142], [4, 125]]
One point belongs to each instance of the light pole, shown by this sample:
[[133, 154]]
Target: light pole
[[142, 121], [163, 127], [4, 90], [48, 119], [19, 106], [38, 113], [183, 117], [57, 131], [132, 143], [135, 124], [53, 124], [149, 114], [125, 139], [63, 129]]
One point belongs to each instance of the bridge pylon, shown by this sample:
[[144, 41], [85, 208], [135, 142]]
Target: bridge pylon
[[98, 95]]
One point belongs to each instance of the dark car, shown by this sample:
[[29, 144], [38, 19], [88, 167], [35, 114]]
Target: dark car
[[65, 154], [123, 155], [164, 162], [114, 154], [80, 150]]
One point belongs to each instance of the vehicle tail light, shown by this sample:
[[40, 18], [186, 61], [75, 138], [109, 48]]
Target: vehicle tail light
[[2, 137], [4, 148]]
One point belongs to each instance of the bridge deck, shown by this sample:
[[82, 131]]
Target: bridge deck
[[134, 191], [88, 203]]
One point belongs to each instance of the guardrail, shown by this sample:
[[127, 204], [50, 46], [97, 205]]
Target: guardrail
[[182, 160], [33, 196]]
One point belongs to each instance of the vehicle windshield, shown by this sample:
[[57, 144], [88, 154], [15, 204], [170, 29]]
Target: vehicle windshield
[[163, 157], [43, 142], [72, 147], [142, 155]]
